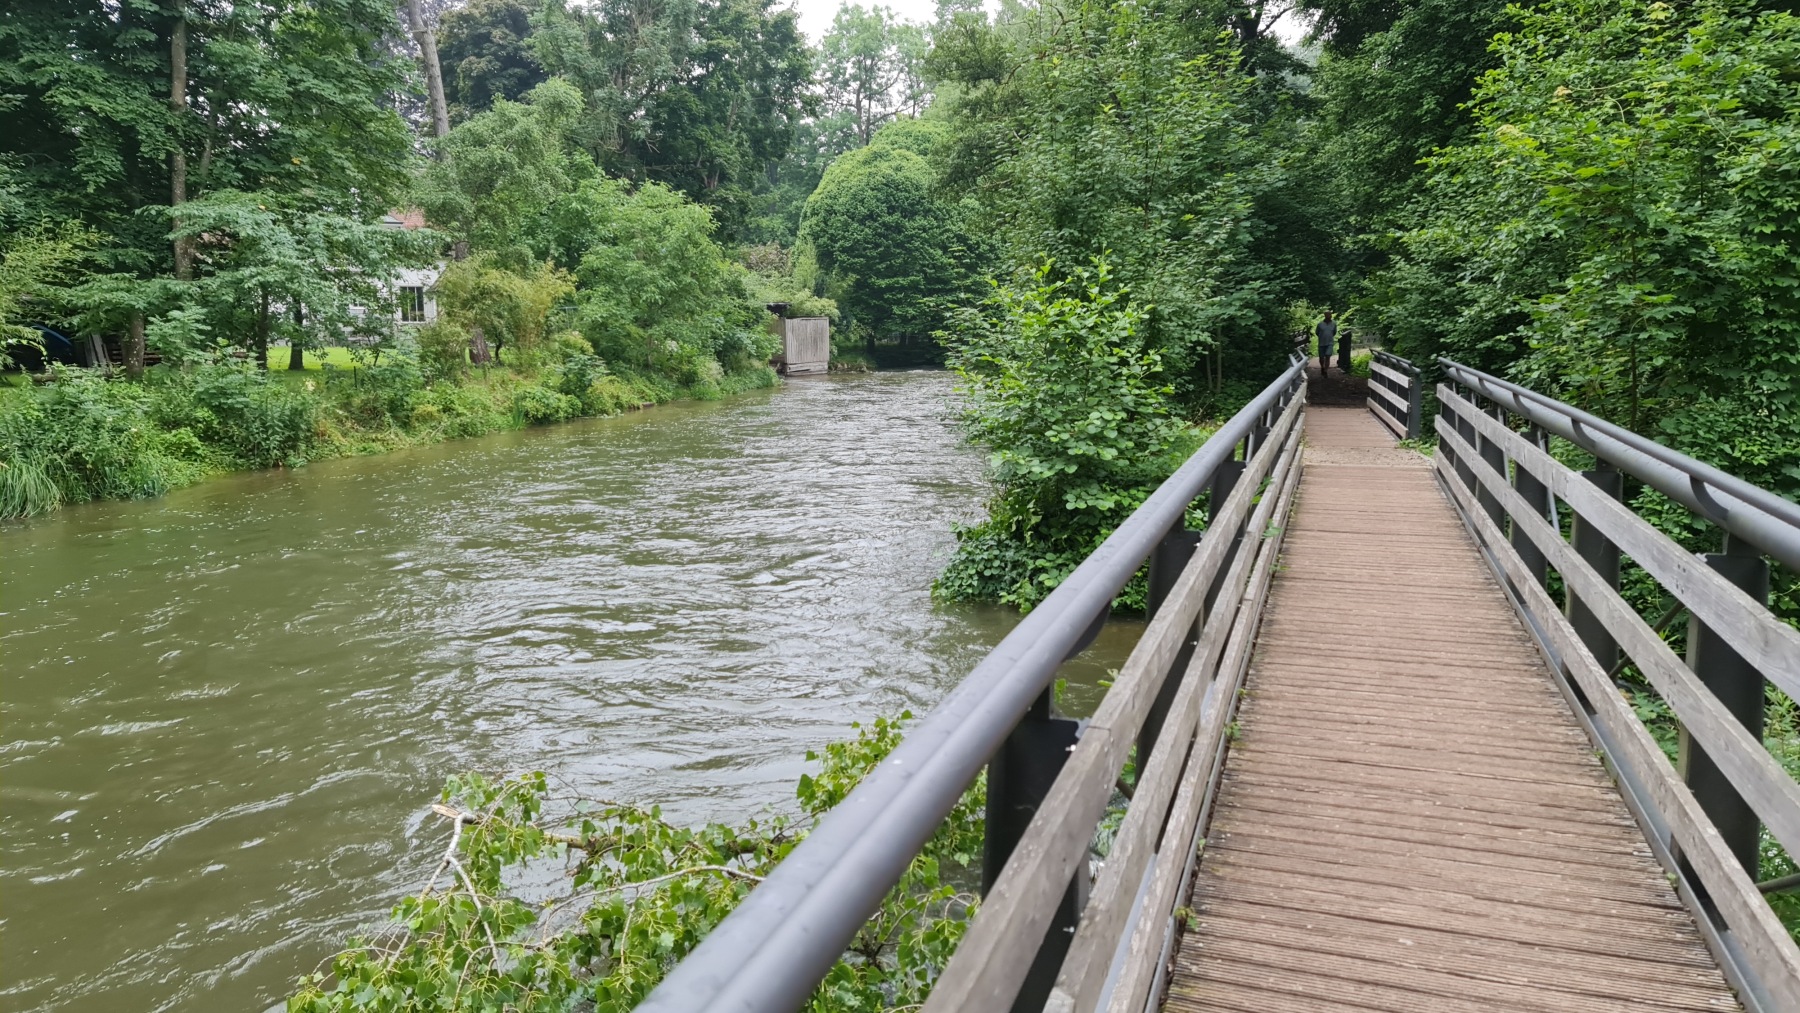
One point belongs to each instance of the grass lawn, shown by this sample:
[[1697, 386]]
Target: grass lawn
[[316, 358]]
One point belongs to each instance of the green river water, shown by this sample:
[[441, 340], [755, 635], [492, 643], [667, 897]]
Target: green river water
[[227, 710]]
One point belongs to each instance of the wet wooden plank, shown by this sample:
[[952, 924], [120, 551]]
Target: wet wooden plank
[[1410, 819]]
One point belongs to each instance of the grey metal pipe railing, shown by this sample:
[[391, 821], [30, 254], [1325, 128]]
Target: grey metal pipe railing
[[1758, 516], [769, 954]]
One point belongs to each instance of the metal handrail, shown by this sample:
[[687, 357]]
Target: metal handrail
[[1758, 516], [770, 952], [1396, 362]]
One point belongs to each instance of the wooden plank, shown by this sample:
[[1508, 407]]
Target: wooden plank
[[1768, 947], [1757, 776], [1409, 820], [1383, 418], [1379, 369], [993, 958]]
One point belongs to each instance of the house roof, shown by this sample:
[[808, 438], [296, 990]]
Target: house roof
[[404, 218]]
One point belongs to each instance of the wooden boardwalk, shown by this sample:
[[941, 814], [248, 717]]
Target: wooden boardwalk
[[1410, 819]]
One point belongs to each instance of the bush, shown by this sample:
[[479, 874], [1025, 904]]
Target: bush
[[443, 351], [83, 437], [257, 419], [539, 405], [1079, 420], [383, 395]]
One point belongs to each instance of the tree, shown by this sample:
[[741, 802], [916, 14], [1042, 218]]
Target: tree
[[274, 271], [508, 306], [426, 40], [699, 94], [118, 112], [1619, 228], [870, 71], [486, 47], [890, 245], [502, 170], [656, 294]]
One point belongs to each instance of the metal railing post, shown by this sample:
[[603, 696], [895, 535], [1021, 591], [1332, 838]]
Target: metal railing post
[[1465, 469], [1019, 777], [1600, 553], [1537, 494], [1739, 686], [1415, 406], [1494, 456]]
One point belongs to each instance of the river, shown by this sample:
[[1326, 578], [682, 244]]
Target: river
[[227, 709]]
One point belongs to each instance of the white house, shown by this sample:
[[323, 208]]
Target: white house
[[413, 285]]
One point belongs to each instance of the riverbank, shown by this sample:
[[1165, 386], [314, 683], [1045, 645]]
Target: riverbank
[[86, 436]]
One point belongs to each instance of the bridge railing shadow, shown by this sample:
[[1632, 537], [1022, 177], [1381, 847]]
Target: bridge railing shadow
[[1045, 922], [1558, 540]]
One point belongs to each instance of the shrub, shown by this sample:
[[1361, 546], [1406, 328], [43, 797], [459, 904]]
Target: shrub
[[443, 351], [538, 405], [383, 394], [258, 419], [87, 438], [1078, 417]]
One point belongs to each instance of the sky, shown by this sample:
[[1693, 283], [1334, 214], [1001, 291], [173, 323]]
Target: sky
[[816, 15]]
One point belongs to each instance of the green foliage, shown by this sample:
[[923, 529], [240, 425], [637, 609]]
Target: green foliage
[[512, 307], [655, 292], [485, 51], [499, 173], [699, 95], [443, 350], [635, 894], [35, 262], [1073, 406], [1130, 131], [895, 252], [1621, 230], [83, 438]]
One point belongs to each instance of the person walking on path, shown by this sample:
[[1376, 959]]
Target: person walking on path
[[1327, 331]]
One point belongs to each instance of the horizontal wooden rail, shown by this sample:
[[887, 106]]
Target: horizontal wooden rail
[[1394, 394], [1487, 468], [993, 959]]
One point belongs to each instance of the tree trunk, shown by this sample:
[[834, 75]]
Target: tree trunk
[[296, 354], [178, 104], [434, 74], [262, 333], [133, 352], [478, 347]]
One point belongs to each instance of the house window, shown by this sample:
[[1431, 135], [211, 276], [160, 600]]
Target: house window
[[412, 304]]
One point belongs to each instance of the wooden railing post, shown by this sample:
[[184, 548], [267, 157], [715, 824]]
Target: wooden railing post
[[1536, 493], [1019, 777], [1600, 553], [1739, 686]]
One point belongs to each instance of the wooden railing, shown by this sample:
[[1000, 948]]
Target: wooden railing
[[1702, 813], [1050, 779], [1127, 920], [1394, 394]]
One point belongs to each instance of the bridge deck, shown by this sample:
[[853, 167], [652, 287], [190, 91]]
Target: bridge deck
[[1410, 819]]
